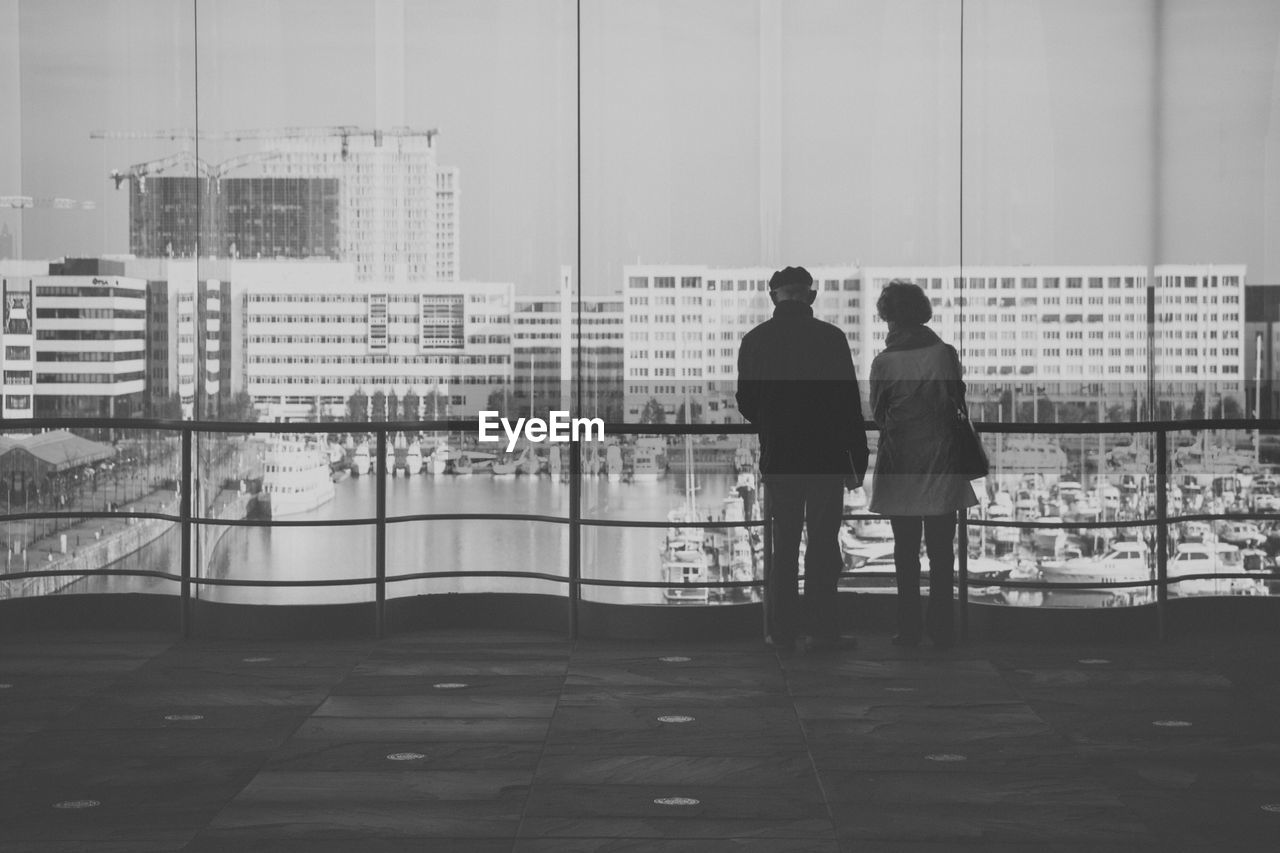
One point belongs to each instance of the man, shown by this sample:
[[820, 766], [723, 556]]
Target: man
[[797, 385]]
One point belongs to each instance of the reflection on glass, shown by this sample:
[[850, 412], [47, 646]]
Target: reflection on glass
[[269, 478], [680, 480], [481, 545], [95, 470], [390, 237]]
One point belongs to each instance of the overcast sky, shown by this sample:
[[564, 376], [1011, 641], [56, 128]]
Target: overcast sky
[[732, 132]]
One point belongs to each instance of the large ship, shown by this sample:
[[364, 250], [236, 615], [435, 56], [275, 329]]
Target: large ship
[[295, 476]]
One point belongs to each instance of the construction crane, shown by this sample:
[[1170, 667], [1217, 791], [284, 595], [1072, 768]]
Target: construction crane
[[345, 131], [184, 159], [139, 171], [26, 201], [231, 163]]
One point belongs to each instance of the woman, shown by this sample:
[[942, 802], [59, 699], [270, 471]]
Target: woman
[[916, 391]]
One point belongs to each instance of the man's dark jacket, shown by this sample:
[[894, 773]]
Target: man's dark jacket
[[796, 383]]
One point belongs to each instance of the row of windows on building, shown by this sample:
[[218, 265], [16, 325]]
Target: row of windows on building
[[444, 341], [267, 400], [89, 378], [98, 291], [88, 314], [291, 379], [1095, 369], [641, 372], [721, 285], [380, 359]]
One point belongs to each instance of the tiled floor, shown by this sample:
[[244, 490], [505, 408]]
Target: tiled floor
[[484, 741]]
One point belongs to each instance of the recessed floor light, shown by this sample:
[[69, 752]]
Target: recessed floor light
[[675, 718], [449, 685], [1271, 807], [77, 804], [1093, 661], [676, 801], [946, 757], [405, 756], [1172, 724], [183, 718], [675, 659], [257, 660]]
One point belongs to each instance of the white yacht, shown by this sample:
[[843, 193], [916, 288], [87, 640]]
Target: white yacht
[[295, 476], [390, 466], [360, 459], [1209, 558], [438, 462], [1125, 561], [613, 463], [413, 458]]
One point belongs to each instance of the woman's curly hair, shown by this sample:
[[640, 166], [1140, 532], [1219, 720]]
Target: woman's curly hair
[[904, 302]]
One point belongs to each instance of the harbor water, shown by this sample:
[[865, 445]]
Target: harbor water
[[336, 550]]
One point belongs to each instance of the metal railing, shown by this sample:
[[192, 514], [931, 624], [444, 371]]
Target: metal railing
[[574, 580]]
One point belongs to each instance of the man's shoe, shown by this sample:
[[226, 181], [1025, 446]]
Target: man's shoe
[[828, 645]]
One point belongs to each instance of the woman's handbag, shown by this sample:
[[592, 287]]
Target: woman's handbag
[[970, 456]]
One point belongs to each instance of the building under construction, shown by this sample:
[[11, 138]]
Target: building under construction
[[375, 198], [235, 217]]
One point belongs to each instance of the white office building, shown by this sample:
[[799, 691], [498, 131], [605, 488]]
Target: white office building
[[1081, 332], [1078, 332], [313, 335], [684, 324], [549, 369], [74, 340]]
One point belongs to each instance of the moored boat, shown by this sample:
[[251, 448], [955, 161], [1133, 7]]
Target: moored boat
[[413, 458], [646, 463], [1126, 561], [613, 463], [360, 460], [296, 476]]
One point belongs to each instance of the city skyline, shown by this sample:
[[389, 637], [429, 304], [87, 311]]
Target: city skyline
[[835, 136]]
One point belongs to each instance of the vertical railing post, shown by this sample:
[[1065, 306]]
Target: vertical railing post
[[575, 534], [962, 537], [380, 534], [766, 510], [1162, 533], [186, 479]]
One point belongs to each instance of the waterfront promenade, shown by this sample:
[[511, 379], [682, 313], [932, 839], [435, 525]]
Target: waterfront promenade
[[494, 741], [95, 543]]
